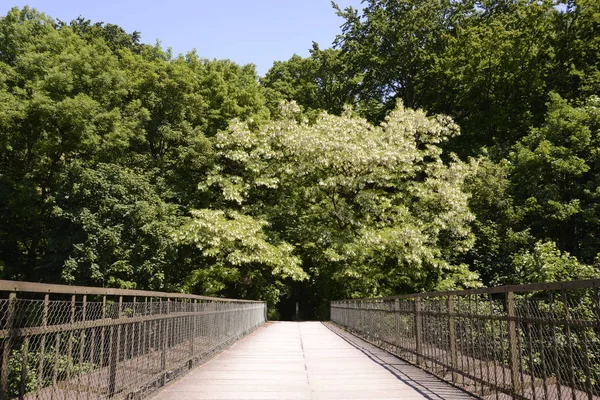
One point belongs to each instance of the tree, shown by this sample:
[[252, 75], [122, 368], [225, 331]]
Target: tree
[[234, 256], [111, 229], [102, 143], [577, 44], [396, 44], [368, 209], [324, 81], [113, 35], [498, 226], [63, 103], [555, 177], [484, 63]]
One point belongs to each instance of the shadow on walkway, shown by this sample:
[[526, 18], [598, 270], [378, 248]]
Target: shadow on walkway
[[427, 385]]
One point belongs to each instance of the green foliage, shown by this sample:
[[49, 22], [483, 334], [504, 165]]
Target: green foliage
[[545, 263], [555, 177], [64, 365], [324, 81], [490, 64], [114, 228], [370, 210], [235, 256], [102, 143]]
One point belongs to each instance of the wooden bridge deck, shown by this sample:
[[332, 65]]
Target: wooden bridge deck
[[306, 360]]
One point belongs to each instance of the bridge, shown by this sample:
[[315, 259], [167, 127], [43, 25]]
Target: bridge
[[515, 342]]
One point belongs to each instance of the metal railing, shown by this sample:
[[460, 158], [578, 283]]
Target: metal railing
[[68, 342], [538, 341]]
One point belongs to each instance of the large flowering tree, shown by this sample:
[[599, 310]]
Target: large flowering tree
[[368, 209]]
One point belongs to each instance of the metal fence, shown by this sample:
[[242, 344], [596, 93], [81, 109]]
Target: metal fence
[[67, 342], [537, 341]]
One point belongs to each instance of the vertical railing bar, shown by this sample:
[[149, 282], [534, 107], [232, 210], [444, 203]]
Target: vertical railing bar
[[8, 343], [512, 339], [462, 351], [134, 313], [473, 324], [530, 347], [486, 343], [586, 364], [434, 334], [156, 332], [540, 328], [114, 353], [103, 333], [555, 349], [149, 326], [70, 349], [81, 342], [469, 341], [477, 322], [567, 328], [142, 332], [543, 358], [42, 355], [397, 323], [192, 332], [441, 342], [494, 347], [24, 357], [596, 301], [92, 358], [418, 330], [56, 362], [520, 352], [165, 338]]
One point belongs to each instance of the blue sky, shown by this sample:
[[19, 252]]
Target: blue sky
[[246, 31]]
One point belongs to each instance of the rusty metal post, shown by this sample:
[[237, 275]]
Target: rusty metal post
[[42, 352], [418, 330], [114, 352], [8, 343], [452, 337], [513, 342], [165, 345]]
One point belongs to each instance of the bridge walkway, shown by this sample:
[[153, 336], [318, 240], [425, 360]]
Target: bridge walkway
[[306, 360]]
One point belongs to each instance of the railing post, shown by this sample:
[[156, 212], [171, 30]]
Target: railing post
[[418, 330], [24, 359], [397, 335], [513, 341], [69, 366], [8, 342], [114, 352], [192, 332], [165, 344], [452, 337], [42, 351]]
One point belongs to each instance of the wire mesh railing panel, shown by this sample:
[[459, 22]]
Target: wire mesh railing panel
[[522, 342], [61, 342]]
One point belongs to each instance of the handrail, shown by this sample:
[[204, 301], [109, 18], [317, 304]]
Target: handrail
[[34, 287]]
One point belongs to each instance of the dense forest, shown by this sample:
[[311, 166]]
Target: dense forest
[[436, 145]]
